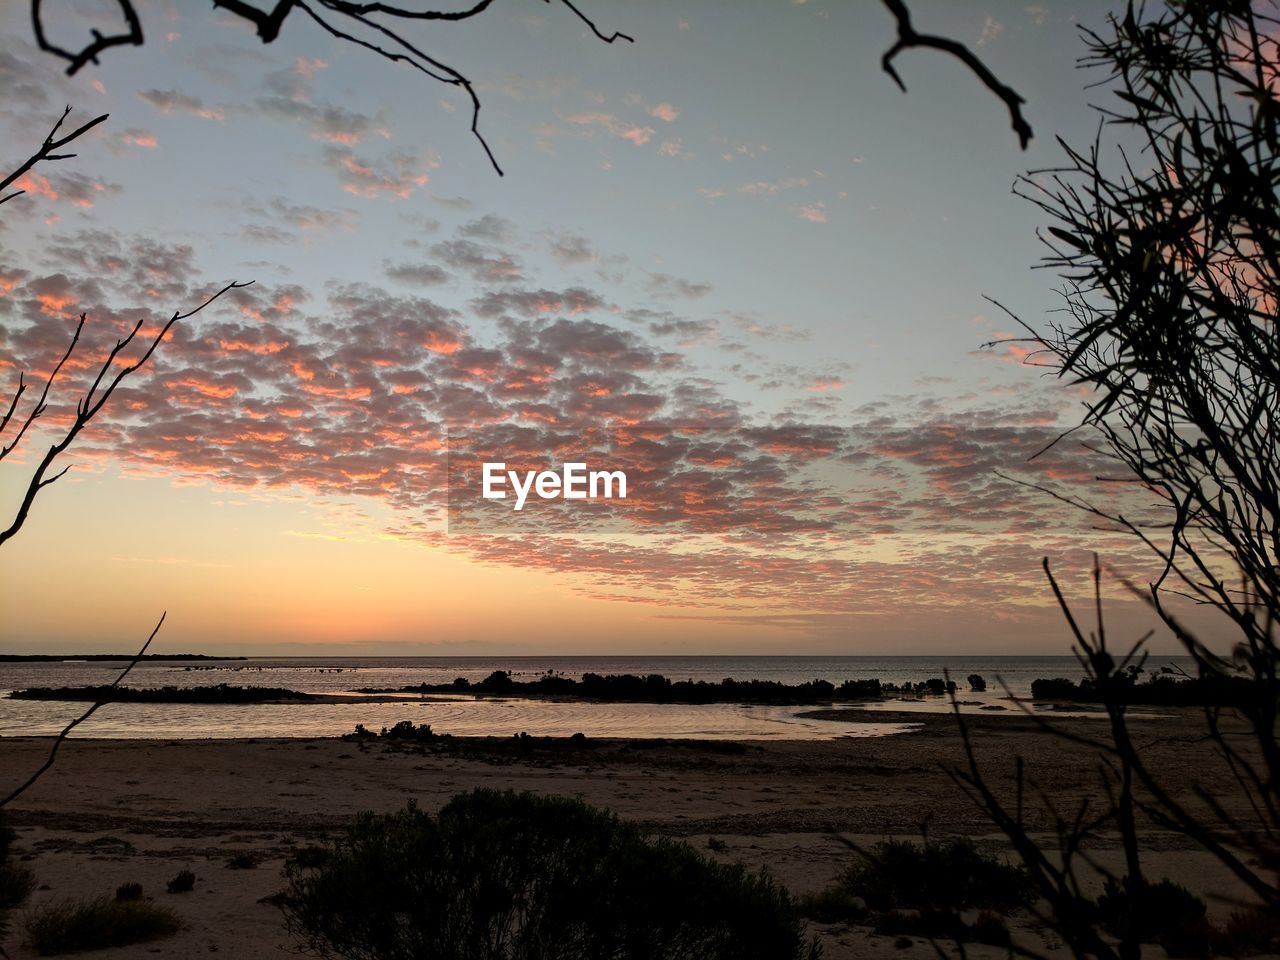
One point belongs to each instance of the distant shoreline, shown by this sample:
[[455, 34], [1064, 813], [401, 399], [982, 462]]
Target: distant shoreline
[[104, 657]]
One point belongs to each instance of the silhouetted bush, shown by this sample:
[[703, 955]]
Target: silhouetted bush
[[946, 875], [1162, 690], [976, 683], [508, 876], [71, 925], [1250, 932], [242, 861], [1164, 913], [183, 882], [129, 891], [16, 881], [833, 905]]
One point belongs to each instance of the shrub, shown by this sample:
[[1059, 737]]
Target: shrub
[[184, 882], [833, 905], [514, 876], [1252, 931], [70, 925], [977, 683], [16, 881], [242, 861], [129, 891], [1164, 913], [946, 875]]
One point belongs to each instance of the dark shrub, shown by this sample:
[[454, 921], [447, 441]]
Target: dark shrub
[[242, 861], [497, 682], [129, 891], [1251, 932], [1164, 913], [946, 875], [184, 882], [833, 905], [71, 925], [16, 881], [514, 876], [976, 683], [405, 730]]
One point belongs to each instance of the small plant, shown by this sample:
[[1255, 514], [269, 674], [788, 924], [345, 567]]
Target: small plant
[[948, 875], [183, 882], [833, 905], [16, 881], [244, 860], [70, 925], [1164, 913], [129, 891], [514, 876]]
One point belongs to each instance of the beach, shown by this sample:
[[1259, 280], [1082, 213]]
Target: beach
[[114, 811]]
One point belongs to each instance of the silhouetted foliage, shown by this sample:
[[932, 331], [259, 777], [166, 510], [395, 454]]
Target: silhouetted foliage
[[16, 881], [1170, 256], [976, 683], [946, 874], [129, 891], [655, 688], [901, 888], [1209, 690], [68, 926], [184, 881], [1164, 913], [514, 876]]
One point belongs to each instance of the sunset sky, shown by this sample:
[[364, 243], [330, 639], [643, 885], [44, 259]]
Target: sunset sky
[[732, 256]]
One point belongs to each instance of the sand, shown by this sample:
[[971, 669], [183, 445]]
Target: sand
[[137, 810]]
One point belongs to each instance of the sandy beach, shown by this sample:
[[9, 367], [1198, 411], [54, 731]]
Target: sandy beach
[[135, 810]]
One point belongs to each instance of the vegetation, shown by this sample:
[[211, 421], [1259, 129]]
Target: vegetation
[[405, 731], [1165, 232], [183, 882], [514, 876], [129, 891], [67, 926], [901, 887], [221, 693], [16, 881], [655, 688], [1161, 689]]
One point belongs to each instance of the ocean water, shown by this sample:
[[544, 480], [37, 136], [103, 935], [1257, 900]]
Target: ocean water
[[1008, 684]]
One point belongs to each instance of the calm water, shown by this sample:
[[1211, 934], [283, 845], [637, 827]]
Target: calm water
[[469, 717]]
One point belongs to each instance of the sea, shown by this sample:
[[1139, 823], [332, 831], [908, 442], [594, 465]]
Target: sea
[[1008, 692]]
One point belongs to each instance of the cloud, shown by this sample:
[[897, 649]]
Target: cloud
[[417, 274], [669, 287], [171, 101], [480, 262], [813, 212], [136, 137], [395, 175], [775, 186]]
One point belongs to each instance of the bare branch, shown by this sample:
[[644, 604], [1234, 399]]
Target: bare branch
[[66, 731], [909, 38], [46, 151], [100, 42]]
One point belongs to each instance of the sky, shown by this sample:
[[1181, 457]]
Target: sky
[[731, 258]]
